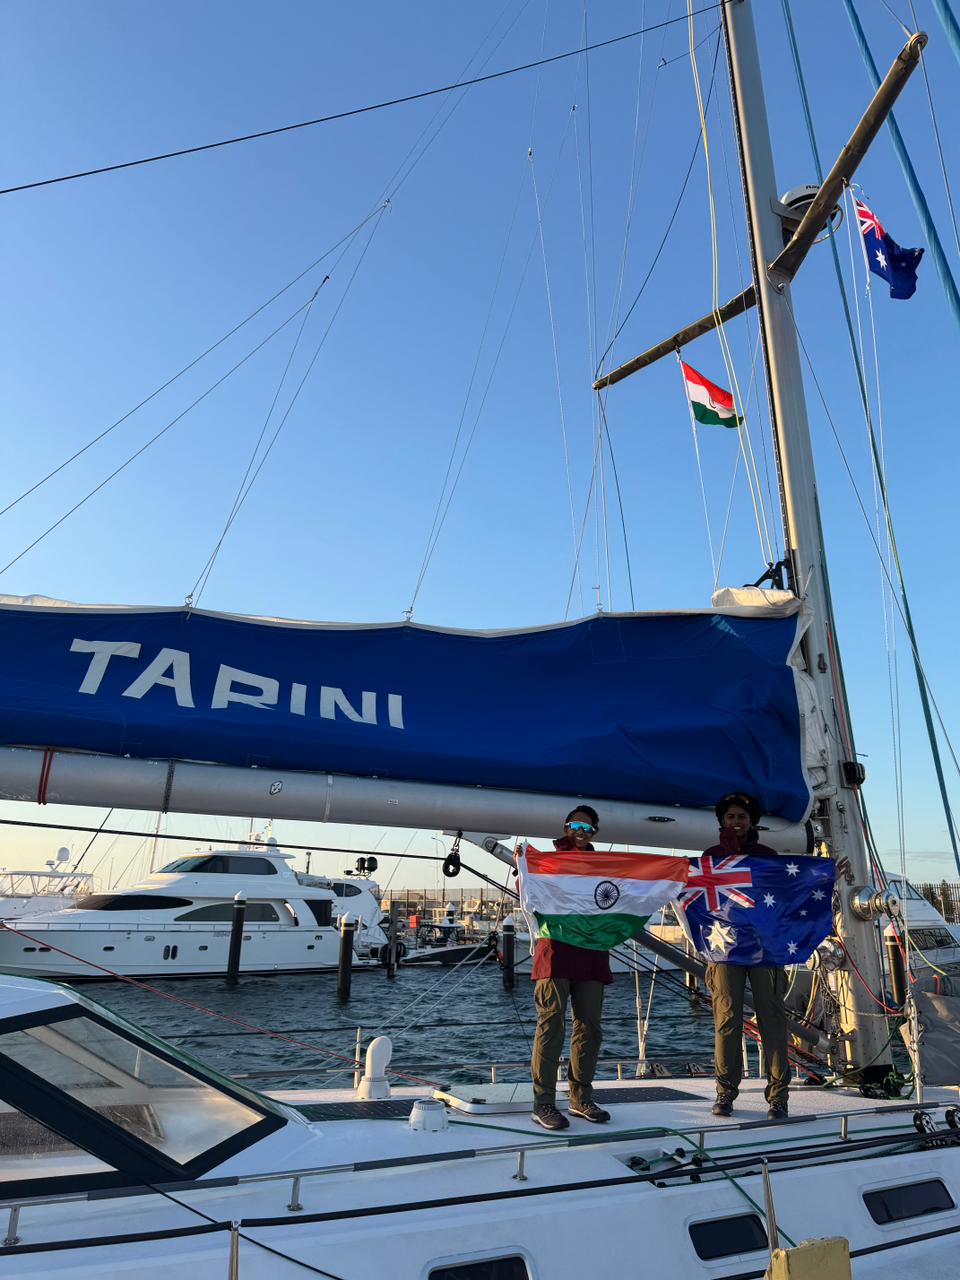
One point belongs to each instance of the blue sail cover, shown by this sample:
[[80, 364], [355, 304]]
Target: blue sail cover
[[660, 708]]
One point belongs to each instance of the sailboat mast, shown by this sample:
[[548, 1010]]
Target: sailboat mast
[[837, 815]]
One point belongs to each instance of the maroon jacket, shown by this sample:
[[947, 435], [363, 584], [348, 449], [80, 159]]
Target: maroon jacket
[[553, 959]]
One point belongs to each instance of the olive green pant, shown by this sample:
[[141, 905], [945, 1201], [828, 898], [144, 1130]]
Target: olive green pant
[[551, 996], [768, 984]]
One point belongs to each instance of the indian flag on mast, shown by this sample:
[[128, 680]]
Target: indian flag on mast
[[711, 405], [596, 900]]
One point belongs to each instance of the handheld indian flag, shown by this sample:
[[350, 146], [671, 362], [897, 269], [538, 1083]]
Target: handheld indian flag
[[711, 405], [596, 900]]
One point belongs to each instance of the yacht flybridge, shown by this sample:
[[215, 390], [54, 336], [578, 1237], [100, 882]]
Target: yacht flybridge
[[177, 922], [121, 1156]]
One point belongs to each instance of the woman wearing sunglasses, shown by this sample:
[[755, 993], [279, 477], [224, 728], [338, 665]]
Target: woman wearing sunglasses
[[564, 973]]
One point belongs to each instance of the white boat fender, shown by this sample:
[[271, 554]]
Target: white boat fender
[[429, 1115], [375, 1084]]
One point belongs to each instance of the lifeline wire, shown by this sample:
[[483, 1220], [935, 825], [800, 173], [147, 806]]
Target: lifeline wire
[[355, 111]]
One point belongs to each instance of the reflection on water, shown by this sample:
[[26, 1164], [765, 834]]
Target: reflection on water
[[434, 1017]]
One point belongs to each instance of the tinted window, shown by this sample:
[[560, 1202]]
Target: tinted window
[[911, 1200], [256, 913], [321, 909], [721, 1237], [130, 902], [343, 890], [491, 1269], [222, 864]]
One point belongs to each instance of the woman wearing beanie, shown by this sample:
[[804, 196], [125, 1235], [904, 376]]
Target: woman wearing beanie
[[738, 815]]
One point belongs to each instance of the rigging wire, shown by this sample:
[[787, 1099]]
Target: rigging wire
[[936, 133], [876, 545], [390, 190], [193, 363], [157, 436], [903, 602], [241, 499], [354, 111], [440, 517], [743, 430], [703, 492], [553, 337], [197, 589]]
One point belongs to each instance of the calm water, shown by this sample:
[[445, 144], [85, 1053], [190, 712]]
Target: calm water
[[433, 1016]]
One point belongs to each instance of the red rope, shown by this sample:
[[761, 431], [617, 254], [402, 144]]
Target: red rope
[[46, 765], [210, 1013], [897, 1013]]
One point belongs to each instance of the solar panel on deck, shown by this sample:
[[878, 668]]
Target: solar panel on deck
[[388, 1109]]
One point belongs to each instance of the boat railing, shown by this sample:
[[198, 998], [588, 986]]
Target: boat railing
[[697, 1136]]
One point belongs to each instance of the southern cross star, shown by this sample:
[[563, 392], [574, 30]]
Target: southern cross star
[[792, 948], [792, 869], [803, 911], [768, 900], [818, 895], [721, 937]]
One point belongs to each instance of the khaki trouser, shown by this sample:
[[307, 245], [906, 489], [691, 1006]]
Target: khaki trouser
[[551, 996], [768, 984]]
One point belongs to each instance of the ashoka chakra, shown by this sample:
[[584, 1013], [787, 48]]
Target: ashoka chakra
[[606, 895]]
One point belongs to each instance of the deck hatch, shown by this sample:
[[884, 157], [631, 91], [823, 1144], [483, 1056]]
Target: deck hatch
[[723, 1237], [510, 1268], [908, 1200]]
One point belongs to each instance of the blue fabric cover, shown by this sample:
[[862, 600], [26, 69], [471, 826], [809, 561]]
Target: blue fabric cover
[[661, 708]]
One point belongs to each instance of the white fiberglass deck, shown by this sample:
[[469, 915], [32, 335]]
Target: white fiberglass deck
[[383, 1199]]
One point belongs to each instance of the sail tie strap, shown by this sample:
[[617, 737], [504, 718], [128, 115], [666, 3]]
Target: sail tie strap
[[46, 764]]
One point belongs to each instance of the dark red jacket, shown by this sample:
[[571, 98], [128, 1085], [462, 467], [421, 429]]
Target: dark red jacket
[[553, 959]]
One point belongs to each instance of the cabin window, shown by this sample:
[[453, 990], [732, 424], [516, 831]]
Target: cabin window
[[909, 1200], [344, 890], [221, 864], [321, 910], [723, 1237], [130, 902], [130, 1087], [511, 1268], [222, 912]]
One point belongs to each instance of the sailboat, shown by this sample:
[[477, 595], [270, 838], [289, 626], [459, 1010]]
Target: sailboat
[[123, 1153]]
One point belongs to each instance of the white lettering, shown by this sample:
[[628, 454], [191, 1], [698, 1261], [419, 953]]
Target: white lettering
[[101, 652], [334, 700], [395, 710], [298, 699], [267, 689], [174, 661]]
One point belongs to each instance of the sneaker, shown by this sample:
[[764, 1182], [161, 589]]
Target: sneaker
[[547, 1116], [778, 1111], [589, 1111], [723, 1105]]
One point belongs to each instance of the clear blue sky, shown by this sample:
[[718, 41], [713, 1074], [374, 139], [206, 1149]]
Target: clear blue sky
[[112, 284]]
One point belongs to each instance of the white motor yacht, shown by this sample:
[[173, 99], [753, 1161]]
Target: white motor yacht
[[120, 1156], [177, 922]]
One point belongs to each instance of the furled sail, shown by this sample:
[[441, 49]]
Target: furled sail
[[668, 709]]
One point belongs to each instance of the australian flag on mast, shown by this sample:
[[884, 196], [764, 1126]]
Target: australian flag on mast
[[760, 909], [884, 256]]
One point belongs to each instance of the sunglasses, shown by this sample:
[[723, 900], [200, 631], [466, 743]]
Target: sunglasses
[[581, 826]]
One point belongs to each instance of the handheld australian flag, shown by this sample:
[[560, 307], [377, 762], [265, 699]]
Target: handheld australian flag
[[884, 256], [747, 910]]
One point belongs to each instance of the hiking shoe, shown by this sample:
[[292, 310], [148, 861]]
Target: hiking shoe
[[723, 1105], [778, 1111], [548, 1117], [589, 1111]]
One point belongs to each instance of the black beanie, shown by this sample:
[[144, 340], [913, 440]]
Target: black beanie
[[748, 802]]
